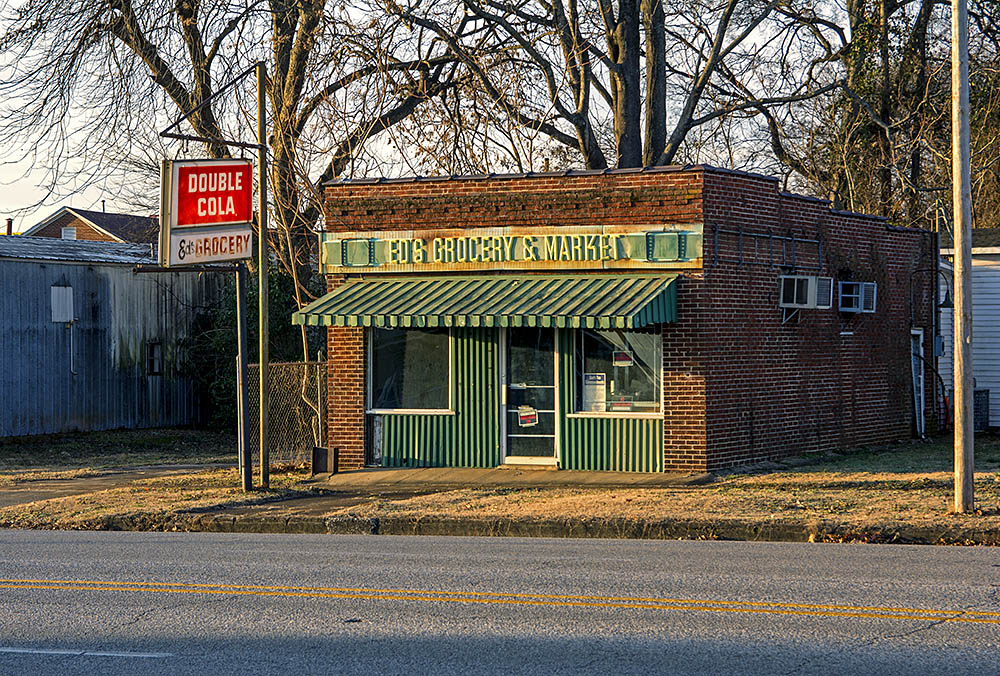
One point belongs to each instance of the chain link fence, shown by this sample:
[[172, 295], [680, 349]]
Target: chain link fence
[[296, 411]]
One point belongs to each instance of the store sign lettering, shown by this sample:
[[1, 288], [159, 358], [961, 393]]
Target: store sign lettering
[[214, 193], [514, 248], [502, 249], [189, 248]]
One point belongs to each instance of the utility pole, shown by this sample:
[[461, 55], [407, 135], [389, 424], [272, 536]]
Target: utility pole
[[262, 260], [962, 205]]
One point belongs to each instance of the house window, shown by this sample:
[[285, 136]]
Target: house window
[[409, 369], [858, 296], [69, 233], [154, 358], [618, 371]]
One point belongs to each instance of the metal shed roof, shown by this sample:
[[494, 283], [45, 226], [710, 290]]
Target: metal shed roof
[[593, 301], [75, 250]]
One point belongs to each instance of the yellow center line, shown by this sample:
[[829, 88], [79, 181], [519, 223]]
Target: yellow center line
[[515, 595], [500, 598]]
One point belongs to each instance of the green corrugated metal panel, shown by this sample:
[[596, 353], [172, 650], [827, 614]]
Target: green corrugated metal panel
[[604, 301], [470, 437], [604, 444]]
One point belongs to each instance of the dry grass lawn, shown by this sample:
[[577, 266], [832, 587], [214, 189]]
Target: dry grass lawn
[[115, 448], [153, 499], [904, 485]]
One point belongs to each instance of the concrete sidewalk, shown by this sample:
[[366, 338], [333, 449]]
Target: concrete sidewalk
[[432, 478]]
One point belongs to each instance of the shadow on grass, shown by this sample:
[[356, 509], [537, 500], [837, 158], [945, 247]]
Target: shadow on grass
[[116, 448], [915, 456]]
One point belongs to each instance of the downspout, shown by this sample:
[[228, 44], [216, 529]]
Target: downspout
[[72, 347]]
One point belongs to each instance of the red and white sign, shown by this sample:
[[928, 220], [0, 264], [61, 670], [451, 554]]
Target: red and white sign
[[206, 211], [212, 193], [194, 246]]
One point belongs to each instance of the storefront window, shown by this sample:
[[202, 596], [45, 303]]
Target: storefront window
[[618, 371], [409, 368]]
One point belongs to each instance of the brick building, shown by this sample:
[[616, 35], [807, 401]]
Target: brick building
[[100, 226], [629, 320]]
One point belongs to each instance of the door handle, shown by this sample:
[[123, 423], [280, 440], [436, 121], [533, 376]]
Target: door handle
[[503, 394]]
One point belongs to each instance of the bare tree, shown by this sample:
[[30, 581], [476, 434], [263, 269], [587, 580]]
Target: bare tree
[[591, 66], [88, 82], [882, 144]]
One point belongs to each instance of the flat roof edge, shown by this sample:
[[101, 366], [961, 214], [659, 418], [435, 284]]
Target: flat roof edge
[[667, 169]]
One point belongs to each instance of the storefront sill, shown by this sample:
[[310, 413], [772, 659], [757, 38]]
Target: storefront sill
[[528, 460], [613, 414], [410, 411]]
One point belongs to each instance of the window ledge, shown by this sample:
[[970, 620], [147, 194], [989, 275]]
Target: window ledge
[[410, 411], [530, 460], [616, 414]]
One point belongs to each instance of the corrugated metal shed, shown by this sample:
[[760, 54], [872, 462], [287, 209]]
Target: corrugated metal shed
[[95, 372]]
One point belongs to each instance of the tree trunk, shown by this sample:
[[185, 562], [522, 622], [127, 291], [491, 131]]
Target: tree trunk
[[885, 113], [656, 81], [624, 48]]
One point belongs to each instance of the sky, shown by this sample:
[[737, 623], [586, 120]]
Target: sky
[[19, 192]]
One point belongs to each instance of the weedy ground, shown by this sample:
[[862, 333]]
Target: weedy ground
[[907, 485], [95, 451]]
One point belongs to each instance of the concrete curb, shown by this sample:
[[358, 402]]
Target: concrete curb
[[676, 529]]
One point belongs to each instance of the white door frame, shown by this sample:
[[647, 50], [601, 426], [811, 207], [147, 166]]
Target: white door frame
[[919, 404], [504, 384]]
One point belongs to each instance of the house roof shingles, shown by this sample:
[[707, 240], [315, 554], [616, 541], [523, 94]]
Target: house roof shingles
[[982, 238], [131, 228]]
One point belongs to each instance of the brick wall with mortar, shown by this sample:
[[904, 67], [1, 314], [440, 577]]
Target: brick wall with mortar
[[84, 230], [738, 385], [823, 380]]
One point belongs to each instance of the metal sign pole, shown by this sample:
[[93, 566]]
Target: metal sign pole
[[262, 261], [242, 398], [221, 246]]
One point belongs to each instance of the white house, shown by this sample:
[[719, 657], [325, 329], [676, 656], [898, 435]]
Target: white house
[[985, 319]]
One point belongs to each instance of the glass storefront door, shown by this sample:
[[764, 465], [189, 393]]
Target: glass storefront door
[[530, 403]]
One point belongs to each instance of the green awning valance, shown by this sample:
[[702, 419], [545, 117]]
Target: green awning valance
[[593, 301]]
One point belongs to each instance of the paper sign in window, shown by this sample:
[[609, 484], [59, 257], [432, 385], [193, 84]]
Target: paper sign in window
[[527, 416], [621, 403], [594, 391], [622, 358]]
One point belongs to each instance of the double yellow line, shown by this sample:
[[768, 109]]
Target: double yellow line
[[501, 598]]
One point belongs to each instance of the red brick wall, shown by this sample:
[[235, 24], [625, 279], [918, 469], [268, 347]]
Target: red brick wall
[[738, 384], [345, 349], [777, 389], [83, 230]]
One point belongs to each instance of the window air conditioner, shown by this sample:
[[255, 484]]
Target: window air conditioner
[[804, 292]]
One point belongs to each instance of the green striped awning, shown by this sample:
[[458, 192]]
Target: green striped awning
[[592, 301]]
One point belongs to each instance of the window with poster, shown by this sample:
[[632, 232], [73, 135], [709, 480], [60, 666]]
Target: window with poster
[[618, 371]]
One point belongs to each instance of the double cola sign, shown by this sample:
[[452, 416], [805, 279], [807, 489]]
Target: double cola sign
[[214, 193], [207, 211]]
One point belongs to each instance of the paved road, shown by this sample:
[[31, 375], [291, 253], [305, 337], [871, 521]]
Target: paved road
[[147, 603]]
